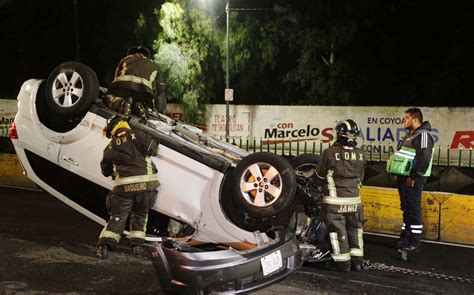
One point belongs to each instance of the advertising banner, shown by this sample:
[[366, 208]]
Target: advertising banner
[[8, 108], [452, 127]]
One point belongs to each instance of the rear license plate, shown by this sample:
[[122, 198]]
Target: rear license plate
[[271, 262]]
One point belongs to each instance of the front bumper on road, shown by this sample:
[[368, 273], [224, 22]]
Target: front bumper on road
[[223, 270]]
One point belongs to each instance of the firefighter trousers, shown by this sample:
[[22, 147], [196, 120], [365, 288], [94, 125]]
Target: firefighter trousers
[[345, 235], [410, 201], [121, 206]]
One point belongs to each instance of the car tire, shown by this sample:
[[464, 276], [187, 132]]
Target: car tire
[[71, 89], [305, 163], [308, 192], [264, 184]]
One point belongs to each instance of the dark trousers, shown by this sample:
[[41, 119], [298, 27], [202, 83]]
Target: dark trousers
[[121, 206], [410, 201], [345, 235]]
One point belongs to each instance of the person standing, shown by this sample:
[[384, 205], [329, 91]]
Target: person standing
[[341, 169], [412, 165], [127, 159]]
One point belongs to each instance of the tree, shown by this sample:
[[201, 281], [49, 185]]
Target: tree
[[186, 51], [255, 44], [320, 38]]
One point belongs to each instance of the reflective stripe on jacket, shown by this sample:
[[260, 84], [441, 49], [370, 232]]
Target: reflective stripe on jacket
[[343, 170], [138, 73], [127, 159]]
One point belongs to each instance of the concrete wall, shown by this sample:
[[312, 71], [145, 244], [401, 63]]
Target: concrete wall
[[11, 172], [446, 217]]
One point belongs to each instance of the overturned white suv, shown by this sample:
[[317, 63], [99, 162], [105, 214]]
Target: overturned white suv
[[207, 184]]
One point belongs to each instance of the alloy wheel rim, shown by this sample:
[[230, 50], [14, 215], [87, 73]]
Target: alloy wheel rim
[[261, 184], [67, 89]]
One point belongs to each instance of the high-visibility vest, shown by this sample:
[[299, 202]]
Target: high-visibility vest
[[402, 160]]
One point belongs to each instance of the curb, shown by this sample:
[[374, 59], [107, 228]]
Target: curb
[[447, 217], [11, 173]]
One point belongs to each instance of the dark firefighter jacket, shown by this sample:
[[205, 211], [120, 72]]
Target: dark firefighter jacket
[[341, 169], [422, 141], [127, 159], [138, 73]]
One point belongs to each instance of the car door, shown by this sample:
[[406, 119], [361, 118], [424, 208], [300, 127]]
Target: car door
[[81, 151], [81, 180]]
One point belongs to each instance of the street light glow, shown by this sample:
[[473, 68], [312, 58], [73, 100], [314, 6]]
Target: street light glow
[[227, 76]]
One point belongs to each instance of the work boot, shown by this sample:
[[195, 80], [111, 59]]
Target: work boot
[[332, 265], [319, 255], [412, 248], [356, 266], [103, 251], [402, 244]]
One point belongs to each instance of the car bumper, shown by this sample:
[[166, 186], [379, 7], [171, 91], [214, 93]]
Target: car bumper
[[223, 270]]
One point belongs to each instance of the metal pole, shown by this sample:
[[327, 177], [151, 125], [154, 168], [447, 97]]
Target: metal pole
[[76, 30], [227, 72]]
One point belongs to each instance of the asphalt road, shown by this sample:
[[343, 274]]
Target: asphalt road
[[46, 247]]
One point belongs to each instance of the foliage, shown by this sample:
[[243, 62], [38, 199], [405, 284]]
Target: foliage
[[186, 51], [314, 52], [320, 36]]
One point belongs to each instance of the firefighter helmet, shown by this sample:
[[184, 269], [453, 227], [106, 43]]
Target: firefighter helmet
[[111, 123], [347, 132], [139, 50]]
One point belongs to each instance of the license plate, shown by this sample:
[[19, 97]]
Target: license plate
[[271, 262]]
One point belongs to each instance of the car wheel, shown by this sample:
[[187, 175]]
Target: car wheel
[[265, 184], [308, 191], [305, 164], [71, 88]]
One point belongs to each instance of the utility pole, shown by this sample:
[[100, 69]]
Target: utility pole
[[227, 81], [76, 32]]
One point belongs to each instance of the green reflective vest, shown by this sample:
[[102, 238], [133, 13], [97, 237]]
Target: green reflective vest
[[402, 160]]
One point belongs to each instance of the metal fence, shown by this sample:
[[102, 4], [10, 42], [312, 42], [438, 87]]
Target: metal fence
[[4, 130], [375, 151]]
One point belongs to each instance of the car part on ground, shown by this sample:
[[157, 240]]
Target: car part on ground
[[232, 271], [313, 238]]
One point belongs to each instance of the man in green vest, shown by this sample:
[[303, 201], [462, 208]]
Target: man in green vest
[[412, 164]]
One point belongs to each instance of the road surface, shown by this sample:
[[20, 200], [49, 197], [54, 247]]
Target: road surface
[[46, 247]]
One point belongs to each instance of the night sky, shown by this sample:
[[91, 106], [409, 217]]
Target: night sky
[[422, 53]]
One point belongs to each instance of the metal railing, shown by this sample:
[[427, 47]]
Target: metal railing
[[4, 130], [375, 151]]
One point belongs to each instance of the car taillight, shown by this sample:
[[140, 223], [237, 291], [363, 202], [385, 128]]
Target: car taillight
[[12, 131]]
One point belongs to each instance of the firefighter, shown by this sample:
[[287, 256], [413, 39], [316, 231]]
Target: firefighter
[[341, 169], [411, 164], [127, 159], [135, 88]]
